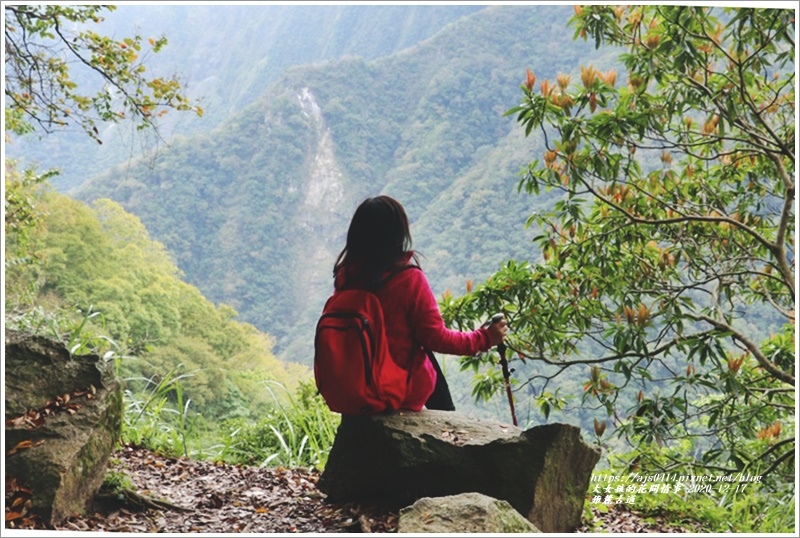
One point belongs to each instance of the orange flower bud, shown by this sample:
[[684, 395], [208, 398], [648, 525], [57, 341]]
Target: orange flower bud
[[599, 427], [588, 75], [610, 77], [636, 81], [546, 88], [530, 79], [642, 315], [630, 314]]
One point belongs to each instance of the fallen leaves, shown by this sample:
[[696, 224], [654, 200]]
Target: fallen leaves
[[18, 503], [24, 445], [30, 420], [455, 437], [63, 403], [620, 519], [223, 498], [218, 498]]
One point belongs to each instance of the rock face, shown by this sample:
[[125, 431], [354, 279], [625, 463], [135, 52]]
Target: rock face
[[542, 472], [63, 417], [464, 513]]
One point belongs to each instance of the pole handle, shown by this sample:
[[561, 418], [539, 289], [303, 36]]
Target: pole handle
[[495, 319]]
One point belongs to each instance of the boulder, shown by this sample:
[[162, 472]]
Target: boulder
[[543, 472], [63, 418], [464, 513]]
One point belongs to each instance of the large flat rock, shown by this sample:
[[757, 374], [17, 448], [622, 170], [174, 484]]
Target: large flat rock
[[542, 472]]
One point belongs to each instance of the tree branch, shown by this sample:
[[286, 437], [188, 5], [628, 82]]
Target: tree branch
[[674, 220], [752, 347], [786, 455]]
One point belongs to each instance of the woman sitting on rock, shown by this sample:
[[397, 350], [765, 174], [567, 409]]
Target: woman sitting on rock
[[378, 257]]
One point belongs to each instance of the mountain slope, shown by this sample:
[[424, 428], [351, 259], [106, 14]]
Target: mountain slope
[[256, 211], [227, 55]]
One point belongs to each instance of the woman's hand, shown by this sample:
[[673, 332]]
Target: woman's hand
[[497, 331]]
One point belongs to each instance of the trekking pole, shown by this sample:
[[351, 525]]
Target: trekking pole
[[501, 349]]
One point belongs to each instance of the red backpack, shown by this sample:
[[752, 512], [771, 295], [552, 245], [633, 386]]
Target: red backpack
[[353, 369]]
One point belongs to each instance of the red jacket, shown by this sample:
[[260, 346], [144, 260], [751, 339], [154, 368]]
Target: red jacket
[[412, 320]]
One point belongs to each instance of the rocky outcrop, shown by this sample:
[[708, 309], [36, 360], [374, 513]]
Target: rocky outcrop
[[542, 472], [464, 513], [63, 417]]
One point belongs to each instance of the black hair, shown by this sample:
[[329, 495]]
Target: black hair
[[378, 238]]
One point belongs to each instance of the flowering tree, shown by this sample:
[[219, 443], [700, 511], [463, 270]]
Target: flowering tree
[[43, 42], [668, 273]]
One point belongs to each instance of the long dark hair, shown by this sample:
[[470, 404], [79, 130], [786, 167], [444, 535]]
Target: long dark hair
[[378, 239]]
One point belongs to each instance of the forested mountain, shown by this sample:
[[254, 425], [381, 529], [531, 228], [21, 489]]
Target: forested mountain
[[227, 56], [618, 181], [256, 210], [100, 264]]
